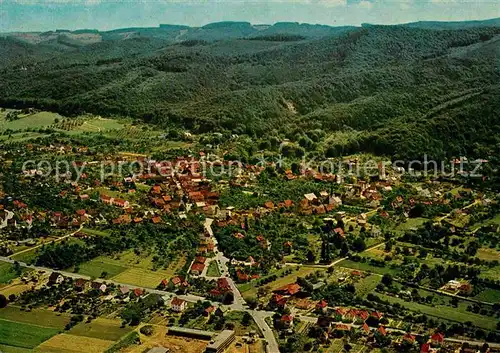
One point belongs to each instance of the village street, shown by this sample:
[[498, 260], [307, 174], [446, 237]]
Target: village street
[[239, 303], [313, 320], [50, 242], [334, 262], [189, 298]]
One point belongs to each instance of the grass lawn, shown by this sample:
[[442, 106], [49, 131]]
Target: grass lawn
[[101, 328], [37, 120], [445, 312], [213, 269], [36, 317], [65, 343], [495, 220], [492, 273], [16, 287], [101, 124], [489, 295], [138, 277], [365, 266], [409, 224], [28, 256], [129, 268], [132, 198], [377, 253], [281, 281], [234, 317], [96, 267], [24, 335], [7, 273], [366, 285], [22, 136], [97, 232], [488, 254], [336, 346]]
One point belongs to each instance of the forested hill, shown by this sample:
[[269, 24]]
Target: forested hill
[[400, 90]]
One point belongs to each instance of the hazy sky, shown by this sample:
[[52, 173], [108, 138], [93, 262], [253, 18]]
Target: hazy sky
[[43, 15]]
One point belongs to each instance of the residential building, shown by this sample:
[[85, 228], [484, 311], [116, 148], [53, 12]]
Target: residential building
[[55, 278], [178, 305]]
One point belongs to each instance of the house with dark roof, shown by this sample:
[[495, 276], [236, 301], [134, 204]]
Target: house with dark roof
[[81, 285], [286, 321], [56, 278]]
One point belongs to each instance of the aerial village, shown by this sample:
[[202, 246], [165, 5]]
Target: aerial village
[[177, 257]]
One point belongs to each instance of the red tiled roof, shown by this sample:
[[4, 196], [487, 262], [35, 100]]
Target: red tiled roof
[[426, 347], [156, 220], [222, 283], [322, 304], [409, 337], [197, 267], [342, 327], [200, 259], [177, 280], [382, 330], [269, 204], [341, 311], [210, 309], [377, 315], [177, 302], [438, 337], [363, 315], [290, 289], [242, 276]]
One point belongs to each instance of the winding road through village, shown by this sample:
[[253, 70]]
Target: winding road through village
[[239, 303]]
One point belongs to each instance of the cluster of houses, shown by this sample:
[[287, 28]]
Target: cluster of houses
[[222, 292], [84, 285], [456, 287], [198, 265], [174, 284]]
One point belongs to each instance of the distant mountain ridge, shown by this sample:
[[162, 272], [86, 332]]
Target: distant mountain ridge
[[179, 33], [231, 28], [404, 90], [494, 22]]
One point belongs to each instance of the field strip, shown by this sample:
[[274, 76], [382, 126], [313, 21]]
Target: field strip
[[25, 323]]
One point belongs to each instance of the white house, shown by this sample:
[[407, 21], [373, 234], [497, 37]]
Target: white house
[[178, 305]]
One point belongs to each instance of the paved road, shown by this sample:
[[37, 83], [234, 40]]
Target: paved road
[[240, 304], [334, 262], [313, 320], [440, 219], [50, 242], [260, 319], [189, 298]]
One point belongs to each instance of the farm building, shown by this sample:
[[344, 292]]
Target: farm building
[[158, 350], [221, 342]]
